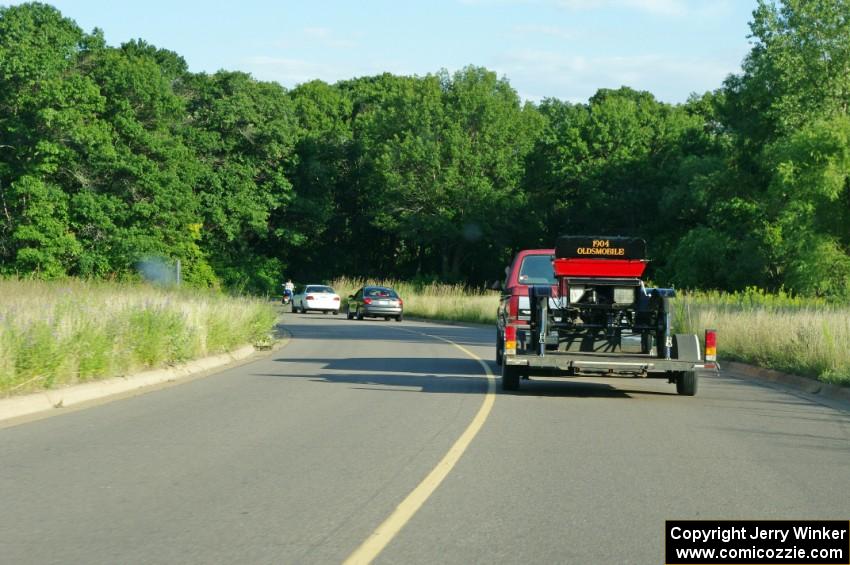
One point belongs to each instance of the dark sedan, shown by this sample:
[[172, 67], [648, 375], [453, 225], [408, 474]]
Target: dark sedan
[[375, 302]]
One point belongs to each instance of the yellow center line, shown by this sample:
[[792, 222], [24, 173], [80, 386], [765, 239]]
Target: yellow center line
[[390, 527]]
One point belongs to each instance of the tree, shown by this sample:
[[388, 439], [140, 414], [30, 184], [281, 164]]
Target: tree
[[243, 132], [45, 115], [787, 112], [316, 226], [449, 154], [808, 198]]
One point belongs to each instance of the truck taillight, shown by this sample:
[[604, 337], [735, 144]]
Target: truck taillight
[[510, 340], [711, 345], [513, 308]]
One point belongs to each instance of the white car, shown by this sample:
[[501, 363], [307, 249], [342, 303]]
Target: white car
[[317, 297]]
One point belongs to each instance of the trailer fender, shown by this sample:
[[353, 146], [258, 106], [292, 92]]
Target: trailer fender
[[686, 346]]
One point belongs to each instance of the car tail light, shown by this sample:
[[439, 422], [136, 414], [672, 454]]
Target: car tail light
[[336, 298], [513, 307], [510, 340], [367, 301], [309, 297], [711, 345], [400, 301]]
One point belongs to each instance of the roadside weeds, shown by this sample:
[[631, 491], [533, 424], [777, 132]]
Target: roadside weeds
[[20, 409]]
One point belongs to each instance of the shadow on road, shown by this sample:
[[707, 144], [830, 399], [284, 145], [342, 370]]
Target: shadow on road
[[417, 365], [380, 330], [576, 387], [441, 375], [430, 383]]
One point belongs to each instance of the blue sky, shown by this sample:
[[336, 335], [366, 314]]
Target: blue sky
[[565, 49]]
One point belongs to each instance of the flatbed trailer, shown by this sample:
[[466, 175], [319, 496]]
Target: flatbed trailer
[[600, 319], [635, 365], [685, 373]]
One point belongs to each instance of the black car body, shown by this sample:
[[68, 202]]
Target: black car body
[[375, 302]]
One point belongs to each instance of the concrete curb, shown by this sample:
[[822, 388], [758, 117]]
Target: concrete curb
[[803, 384], [49, 400]]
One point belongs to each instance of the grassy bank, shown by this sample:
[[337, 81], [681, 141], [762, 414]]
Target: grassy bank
[[799, 335], [59, 333]]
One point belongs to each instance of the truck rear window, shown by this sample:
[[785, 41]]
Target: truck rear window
[[536, 269]]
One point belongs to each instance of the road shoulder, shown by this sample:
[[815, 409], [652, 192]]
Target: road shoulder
[[832, 395]]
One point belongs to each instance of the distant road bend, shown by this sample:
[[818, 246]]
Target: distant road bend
[[300, 456]]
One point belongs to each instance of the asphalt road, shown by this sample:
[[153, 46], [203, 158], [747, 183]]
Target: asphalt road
[[299, 456]]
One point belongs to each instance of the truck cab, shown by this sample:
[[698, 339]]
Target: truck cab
[[530, 267]]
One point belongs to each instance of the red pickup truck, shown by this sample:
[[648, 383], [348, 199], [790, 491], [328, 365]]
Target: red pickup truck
[[530, 267]]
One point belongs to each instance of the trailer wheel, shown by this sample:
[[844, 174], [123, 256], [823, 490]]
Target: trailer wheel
[[510, 377], [686, 383]]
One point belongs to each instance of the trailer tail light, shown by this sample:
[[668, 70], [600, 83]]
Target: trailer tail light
[[367, 300], [510, 340], [711, 345]]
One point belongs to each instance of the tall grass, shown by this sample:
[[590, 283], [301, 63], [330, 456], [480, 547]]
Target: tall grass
[[806, 336], [58, 333]]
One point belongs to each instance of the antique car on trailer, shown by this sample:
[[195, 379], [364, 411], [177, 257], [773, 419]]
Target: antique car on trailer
[[595, 316]]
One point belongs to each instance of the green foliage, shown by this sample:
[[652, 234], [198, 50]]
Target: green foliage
[[112, 154], [447, 163]]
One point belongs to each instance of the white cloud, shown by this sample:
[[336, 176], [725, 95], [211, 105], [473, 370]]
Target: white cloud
[[290, 72], [316, 37], [326, 37], [550, 31], [661, 7], [657, 7], [576, 77]]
